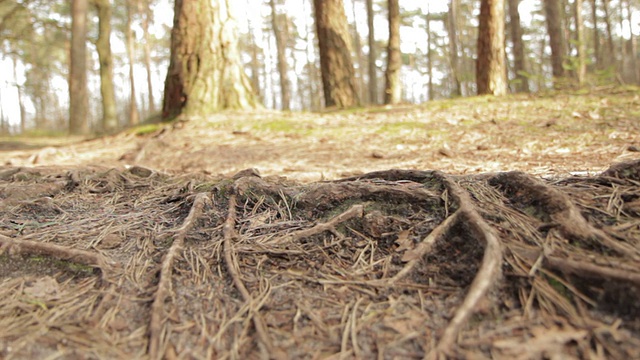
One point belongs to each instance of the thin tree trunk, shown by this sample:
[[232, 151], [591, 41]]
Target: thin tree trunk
[[78, 97], [393, 87], [611, 58], [581, 69], [522, 84], [596, 34], [358, 53], [452, 29], [279, 23], [23, 117], [490, 66], [103, 45], [633, 46], [429, 54], [553, 12], [338, 78], [373, 74], [134, 115], [144, 8]]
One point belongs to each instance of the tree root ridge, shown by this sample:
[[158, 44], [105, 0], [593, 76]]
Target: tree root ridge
[[389, 264]]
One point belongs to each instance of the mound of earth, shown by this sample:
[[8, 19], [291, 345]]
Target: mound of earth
[[100, 262]]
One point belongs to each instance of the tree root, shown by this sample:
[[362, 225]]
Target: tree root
[[164, 284], [18, 246], [232, 266]]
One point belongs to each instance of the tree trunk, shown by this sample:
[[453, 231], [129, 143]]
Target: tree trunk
[[519, 65], [452, 29], [553, 13], [134, 115], [596, 34], [393, 87], [632, 46], [23, 117], [103, 45], [373, 74], [78, 97], [611, 49], [429, 54], [491, 75], [581, 69], [279, 23], [338, 78], [358, 53], [144, 8], [205, 72]]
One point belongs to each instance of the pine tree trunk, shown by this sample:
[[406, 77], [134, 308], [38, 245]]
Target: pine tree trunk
[[429, 54], [134, 115], [279, 23], [147, 15], [522, 84], [596, 34], [103, 45], [205, 72], [490, 66], [452, 29], [393, 87], [338, 76], [553, 13], [581, 70], [610, 59], [23, 118], [373, 74], [78, 97]]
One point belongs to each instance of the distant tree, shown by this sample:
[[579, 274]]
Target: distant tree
[[338, 76], [205, 72], [373, 73], [134, 114], [452, 29], [144, 8], [280, 30], [522, 84], [109, 122], [78, 97], [581, 66], [393, 87], [427, 19], [490, 65], [553, 12]]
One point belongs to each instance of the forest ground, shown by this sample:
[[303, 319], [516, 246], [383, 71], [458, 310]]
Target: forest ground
[[164, 240]]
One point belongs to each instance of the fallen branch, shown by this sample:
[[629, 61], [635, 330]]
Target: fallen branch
[[583, 269], [18, 246], [230, 235], [164, 284]]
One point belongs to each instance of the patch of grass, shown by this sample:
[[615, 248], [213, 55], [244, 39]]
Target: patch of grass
[[145, 129], [281, 125]]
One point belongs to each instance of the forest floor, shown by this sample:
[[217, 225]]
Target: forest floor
[[512, 232]]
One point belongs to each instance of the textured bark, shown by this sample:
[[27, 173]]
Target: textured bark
[[553, 12], [103, 45], [393, 86], [134, 115], [519, 65], [78, 99], [205, 71], [373, 73], [338, 77], [280, 30], [581, 69], [491, 75], [452, 29]]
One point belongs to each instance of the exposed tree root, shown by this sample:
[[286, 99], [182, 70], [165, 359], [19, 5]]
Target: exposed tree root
[[163, 291], [27, 247], [230, 236]]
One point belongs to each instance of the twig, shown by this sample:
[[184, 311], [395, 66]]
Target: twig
[[583, 269], [18, 246], [164, 284], [229, 232]]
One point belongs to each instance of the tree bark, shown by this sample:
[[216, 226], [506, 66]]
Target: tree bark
[[553, 12], [78, 97], [205, 72], [596, 34], [581, 69], [373, 73], [103, 45], [134, 115], [279, 23], [611, 58], [393, 87], [452, 29], [23, 117], [429, 54], [519, 64], [338, 78], [491, 75]]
